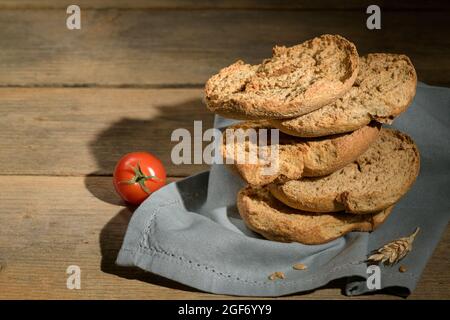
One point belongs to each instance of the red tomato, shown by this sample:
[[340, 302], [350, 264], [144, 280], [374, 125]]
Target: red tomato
[[137, 175]]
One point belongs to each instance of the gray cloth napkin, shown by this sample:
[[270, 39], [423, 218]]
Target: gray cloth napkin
[[190, 231]]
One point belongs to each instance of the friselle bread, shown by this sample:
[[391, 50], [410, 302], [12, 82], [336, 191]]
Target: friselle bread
[[296, 157], [295, 81], [336, 171], [375, 181], [272, 219], [384, 88]]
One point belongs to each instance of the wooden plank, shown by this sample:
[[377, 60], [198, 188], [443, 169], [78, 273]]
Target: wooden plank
[[221, 4], [85, 131], [183, 48], [49, 223]]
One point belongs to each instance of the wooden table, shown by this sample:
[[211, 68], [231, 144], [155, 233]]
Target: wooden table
[[73, 101]]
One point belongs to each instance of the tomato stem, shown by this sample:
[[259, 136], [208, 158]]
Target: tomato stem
[[140, 177]]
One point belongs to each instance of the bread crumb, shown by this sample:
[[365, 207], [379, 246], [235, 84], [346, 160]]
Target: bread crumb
[[276, 275], [402, 269], [299, 266]]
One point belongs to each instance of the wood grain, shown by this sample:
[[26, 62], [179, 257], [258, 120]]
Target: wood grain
[[222, 4], [58, 145], [140, 48], [85, 131], [49, 223]]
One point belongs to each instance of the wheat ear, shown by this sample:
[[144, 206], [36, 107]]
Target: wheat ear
[[394, 251]]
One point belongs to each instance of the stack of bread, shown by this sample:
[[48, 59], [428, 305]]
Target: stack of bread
[[338, 169]]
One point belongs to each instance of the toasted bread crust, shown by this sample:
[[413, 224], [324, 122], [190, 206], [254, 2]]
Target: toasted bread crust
[[328, 154], [385, 87], [267, 216], [375, 181], [295, 81], [299, 157]]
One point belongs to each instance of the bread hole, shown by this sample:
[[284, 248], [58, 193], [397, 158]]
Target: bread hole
[[243, 87], [358, 166]]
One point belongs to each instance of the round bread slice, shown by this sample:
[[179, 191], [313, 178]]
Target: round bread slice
[[295, 81], [296, 157], [385, 87], [375, 181], [273, 220]]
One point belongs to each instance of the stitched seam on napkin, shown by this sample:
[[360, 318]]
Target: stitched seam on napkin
[[225, 276], [151, 248], [200, 266], [228, 277], [148, 230]]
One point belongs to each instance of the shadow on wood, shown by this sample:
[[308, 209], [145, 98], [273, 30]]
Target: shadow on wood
[[146, 133], [105, 193]]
